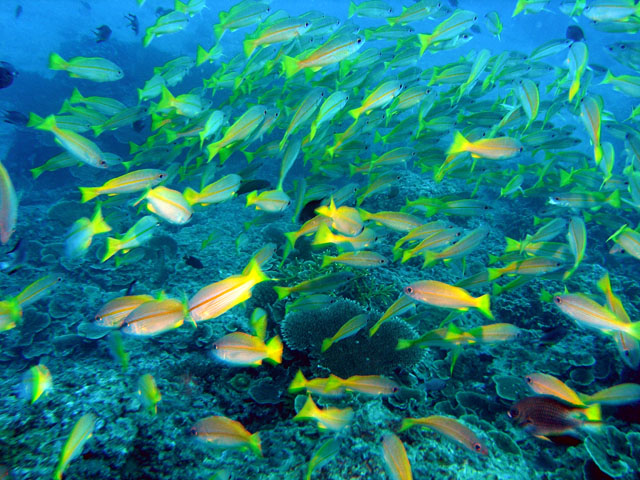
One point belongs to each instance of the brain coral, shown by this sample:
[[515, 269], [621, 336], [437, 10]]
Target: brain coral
[[356, 355]]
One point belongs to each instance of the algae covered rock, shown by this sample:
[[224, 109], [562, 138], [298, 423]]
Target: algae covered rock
[[356, 355]]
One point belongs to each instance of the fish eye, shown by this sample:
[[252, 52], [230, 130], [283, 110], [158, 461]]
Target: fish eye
[[477, 447], [359, 40], [521, 149], [622, 47], [557, 199], [395, 389], [558, 300], [513, 413], [306, 24], [382, 261], [408, 290], [528, 379], [475, 18]]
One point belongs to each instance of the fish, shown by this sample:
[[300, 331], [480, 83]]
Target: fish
[[217, 298], [193, 262], [323, 454], [395, 458], [8, 206], [627, 240], [577, 60], [38, 289], [241, 129], [610, 10], [10, 314], [243, 14], [345, 220], [574, 33], [7, 73], [331, 107], [149, 393], [171, 22], [137, 235], [366, 384], [450, 428], [81, 148], [543, 417], [628, 347], [359, 259], [113, 313], [330, 282], [492, 148], [378, 98], [279, 32], [589, 313], [102, 33], [400, 306], [622, 394], [350, 328], [370, 8], [258, 322], [104, 105], [35, 382], [544, 384], [331, 418], [336, 49], [154, 317], [134, 181], [456, 24], [315, 385], [80, 235], [116, 348], [305, 109], [96, 69], [273, 201], [134, 24], [224, 432], [444, 295], [82, 431], [168, 204], [242, 349]]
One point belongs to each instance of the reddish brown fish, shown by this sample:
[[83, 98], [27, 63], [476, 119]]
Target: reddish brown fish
[[546, 416]]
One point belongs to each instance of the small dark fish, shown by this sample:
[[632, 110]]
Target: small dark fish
[[309, 210], [130, 287], [103, 32], [434, 384], [161, 12], [476, 29], [193, 262], [17, 258], [139, 125], [453, 3], [15, 118], [553, 335], [7, 74], [133, 23], [575, 33], [18, 11], [85, 4], [251, 185]]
